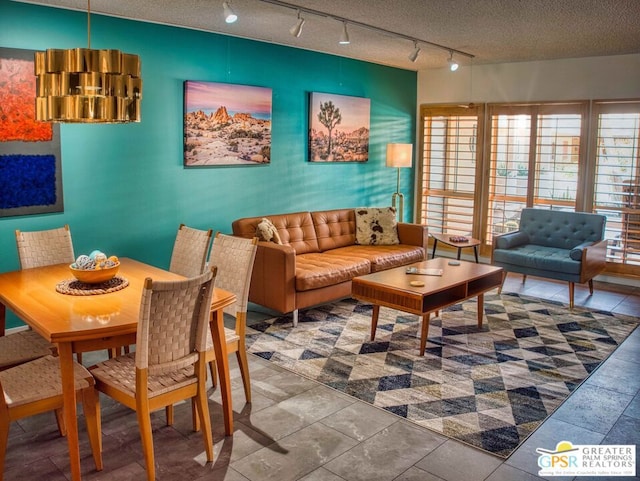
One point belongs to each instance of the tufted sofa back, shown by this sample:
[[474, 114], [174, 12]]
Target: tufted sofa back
[[335, 228], [295, 229], [565, 230]]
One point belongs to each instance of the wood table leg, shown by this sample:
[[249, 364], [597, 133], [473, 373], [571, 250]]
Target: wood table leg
[[222, 362], [480, 310], [3, 318], [69, 401], [374, 320], [424, 333]]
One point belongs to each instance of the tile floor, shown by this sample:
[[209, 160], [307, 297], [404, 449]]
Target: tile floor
[[296, 429]]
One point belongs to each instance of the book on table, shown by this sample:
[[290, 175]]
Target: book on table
[[424, 272]]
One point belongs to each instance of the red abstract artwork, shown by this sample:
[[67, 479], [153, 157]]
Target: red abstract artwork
[[17, 103]]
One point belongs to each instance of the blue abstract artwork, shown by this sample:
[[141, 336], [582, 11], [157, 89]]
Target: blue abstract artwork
[[27, 180]]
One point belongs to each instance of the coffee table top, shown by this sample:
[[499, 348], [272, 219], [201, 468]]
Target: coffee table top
[[452, 275]]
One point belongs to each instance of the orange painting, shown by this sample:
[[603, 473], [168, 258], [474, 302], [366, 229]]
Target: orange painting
[[17, 103]]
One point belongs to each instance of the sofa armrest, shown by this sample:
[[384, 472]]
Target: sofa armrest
[[577, 251], [413, 234], [274, 277], [594, 260], [510, 240]]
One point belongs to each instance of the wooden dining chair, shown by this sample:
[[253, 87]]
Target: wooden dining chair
[[35, 249], [190, 250], [45, 247], [35, 387], [168, 365], [234, 258], [188, 259]]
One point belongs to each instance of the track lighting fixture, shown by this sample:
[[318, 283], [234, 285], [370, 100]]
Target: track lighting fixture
[[453, 65], [229, 15], [344, 38], [296, 30], [413, 56]]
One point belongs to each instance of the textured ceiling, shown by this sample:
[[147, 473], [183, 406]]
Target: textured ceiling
[[494, 31]]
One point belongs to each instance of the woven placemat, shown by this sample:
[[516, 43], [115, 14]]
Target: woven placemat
[[74, 287]]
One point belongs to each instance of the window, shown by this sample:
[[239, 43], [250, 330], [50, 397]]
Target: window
[[544, 140], [545, 155], [450, 138], [617, 180]]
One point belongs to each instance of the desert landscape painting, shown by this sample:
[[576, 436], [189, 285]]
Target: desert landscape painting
[[226, 124], [338, 128]]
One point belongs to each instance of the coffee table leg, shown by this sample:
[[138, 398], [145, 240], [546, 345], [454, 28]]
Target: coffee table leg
[[475, 252], [425, 333], [433, 253], [374, 320], [480, 310]]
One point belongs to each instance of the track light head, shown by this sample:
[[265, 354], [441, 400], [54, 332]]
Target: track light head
[[344, 38], [229, 15], [453, 65], [296, 30], [413, 56]]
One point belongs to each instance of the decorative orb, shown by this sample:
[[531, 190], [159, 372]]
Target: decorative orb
[[100, 257], [84, 262]]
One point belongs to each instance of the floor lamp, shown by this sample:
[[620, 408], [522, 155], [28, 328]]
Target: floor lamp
[[399, 155]]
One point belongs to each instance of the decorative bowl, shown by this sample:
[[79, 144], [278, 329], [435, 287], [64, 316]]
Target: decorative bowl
[[95, 276]]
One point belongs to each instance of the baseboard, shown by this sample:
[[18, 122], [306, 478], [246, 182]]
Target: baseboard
[[13, 330]]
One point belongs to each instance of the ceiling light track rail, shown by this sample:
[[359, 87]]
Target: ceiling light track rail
[[367, 26]]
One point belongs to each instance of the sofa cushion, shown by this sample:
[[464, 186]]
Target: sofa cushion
[[376, 226], [382, 257], [316, 270], [538, 257], [335, 228]]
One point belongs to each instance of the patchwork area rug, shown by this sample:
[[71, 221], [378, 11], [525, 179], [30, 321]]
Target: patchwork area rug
[[489, 388]]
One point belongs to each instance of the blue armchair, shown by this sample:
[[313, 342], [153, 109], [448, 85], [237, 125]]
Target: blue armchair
[[560, 245]]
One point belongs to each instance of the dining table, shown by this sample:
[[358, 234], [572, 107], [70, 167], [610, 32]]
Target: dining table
[[76, 323]]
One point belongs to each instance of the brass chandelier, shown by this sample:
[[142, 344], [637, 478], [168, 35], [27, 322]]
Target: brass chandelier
[[82, 85]]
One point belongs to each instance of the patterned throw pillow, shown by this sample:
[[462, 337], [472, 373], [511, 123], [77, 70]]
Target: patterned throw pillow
[[266, 231], [376, 226]]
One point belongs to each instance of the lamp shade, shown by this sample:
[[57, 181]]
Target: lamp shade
[[399, 155]]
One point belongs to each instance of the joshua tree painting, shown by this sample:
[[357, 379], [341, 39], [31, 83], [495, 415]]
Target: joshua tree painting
[[338, 128]]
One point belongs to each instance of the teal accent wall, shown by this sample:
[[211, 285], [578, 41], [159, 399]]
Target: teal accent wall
[[125, 188]]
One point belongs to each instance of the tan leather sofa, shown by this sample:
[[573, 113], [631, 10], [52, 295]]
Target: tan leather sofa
[[319, 257]]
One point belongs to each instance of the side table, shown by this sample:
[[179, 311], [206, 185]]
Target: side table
[[444, 238]]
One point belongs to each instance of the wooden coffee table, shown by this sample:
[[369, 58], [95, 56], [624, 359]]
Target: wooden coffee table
[[391, 288]]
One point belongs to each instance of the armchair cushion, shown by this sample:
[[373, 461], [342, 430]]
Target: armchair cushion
[[539, 258]]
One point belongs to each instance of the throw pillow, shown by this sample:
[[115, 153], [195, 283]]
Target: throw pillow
[[266, 231], [376, 226]]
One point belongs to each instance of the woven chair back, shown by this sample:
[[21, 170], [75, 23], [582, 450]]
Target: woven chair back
[[234, 258], [44, 248], [189, 255], [173, 322]]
